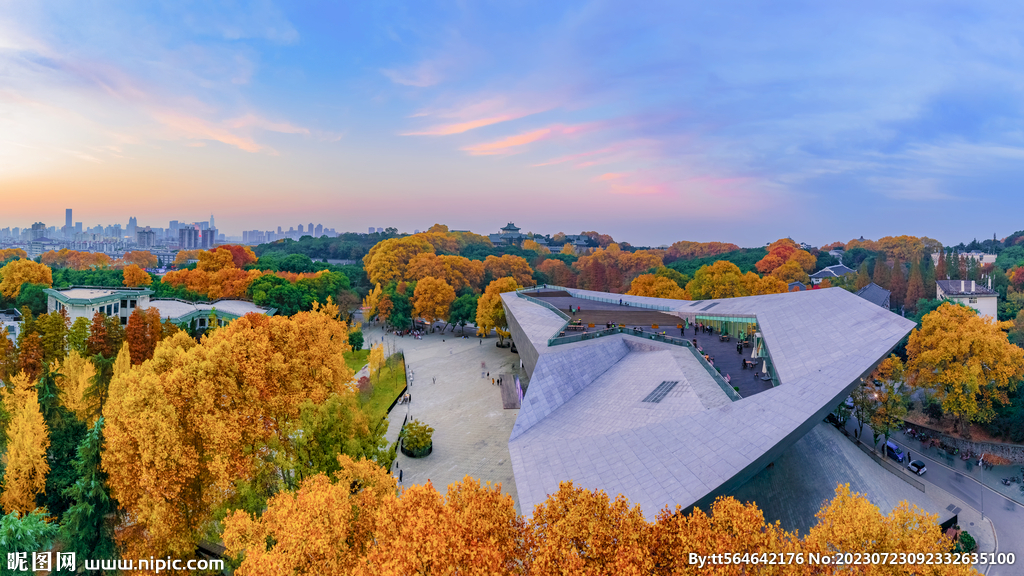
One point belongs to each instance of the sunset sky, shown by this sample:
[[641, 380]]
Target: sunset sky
[[652, 121]]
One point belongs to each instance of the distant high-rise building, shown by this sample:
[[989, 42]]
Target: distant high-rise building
[[38, 230], [67, 222], [319, 230], [371, 230], [209, 238], [212, 225], [310, 229], [300, 228], [145, 237], [279, 232], [132, 229], [380, 230], [78, 227], [189, 237]]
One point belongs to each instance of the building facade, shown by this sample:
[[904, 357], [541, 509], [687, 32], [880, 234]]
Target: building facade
[[970, 294], [86, 301]]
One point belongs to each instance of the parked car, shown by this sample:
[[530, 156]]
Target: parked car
[[917, 467], [893, 451]]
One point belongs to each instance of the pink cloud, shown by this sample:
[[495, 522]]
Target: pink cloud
[[191, 127], [509, 144], [610, 176], [460, 127]]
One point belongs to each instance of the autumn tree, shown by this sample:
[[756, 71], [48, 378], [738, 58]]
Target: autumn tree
[[558, 273], [388, 259], [26, 462], [897, 284], [370, 302], [657, 287], [863, 277], [611, 269], [376, 360], [78, 334], [472, 529], [886, 384], [534, 246], [685, 250], [325, 527], [459, 272], [578, 531], [567, 249], [509, 265], [142, 333], [76, 374], [724, 279], [728, 527], [915, 287], [385, 307], [135, 276], [432, 299], [182, 258], [53, 335], [18, 272], [966, 360], [850, 523], [490, 313], [141, 258], [183, 428], [791, 271], [30, 355], [941, 270], [882, 273]]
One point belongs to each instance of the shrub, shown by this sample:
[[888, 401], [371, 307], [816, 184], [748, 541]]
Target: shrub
[[355, 340], [967, 542], [934, 410], [416, 435]]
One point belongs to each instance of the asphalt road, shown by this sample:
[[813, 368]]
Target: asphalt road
[[1006, 515]]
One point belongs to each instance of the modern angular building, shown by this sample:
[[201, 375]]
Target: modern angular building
[[633, 407]]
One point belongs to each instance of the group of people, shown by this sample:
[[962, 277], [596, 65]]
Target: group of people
[[573, 310]]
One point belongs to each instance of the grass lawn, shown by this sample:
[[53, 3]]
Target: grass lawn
[[386, 387], [356, 360]]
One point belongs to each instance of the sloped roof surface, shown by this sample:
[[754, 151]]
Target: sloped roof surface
[[583, 417], [875, 294]]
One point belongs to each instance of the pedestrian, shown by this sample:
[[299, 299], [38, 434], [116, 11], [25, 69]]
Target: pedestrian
[[492, 381], [435, 379], [488, 374], [400, 475], [449, 351], [620, 301]]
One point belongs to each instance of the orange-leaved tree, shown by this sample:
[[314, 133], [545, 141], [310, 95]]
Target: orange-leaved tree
[[8, 253], [18, 272], [26, 461], [508, 265], [686, 250], [490, 313], [458, 271], [388, 259], [66, 258], [432, 299], [472, 529], [142, 334], [533, 245], [325, 527], [558, 273], [578, 531], [184, 427], [75, 375], [966, 360], [141, 258], [657, 287], [135, 276]]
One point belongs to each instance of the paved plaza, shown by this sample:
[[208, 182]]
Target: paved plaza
[[471, 428]]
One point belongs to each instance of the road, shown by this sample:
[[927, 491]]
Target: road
[[1006, 515]]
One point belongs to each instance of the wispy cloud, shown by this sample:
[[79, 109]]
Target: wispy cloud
[[511, 144], [422, 75]]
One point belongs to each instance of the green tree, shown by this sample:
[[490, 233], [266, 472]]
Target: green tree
[[32, 295], [25, 534], [355, 340], [464, 310], [86, 527]]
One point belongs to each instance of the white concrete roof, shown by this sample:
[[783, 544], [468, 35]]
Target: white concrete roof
[[583, 417]]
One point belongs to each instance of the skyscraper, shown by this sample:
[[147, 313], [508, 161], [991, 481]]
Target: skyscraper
[[319, 230], [300, 228], [212, 225], [67, 222]]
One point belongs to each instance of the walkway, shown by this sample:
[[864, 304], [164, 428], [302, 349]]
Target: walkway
[[1006, 515], [471, 428]]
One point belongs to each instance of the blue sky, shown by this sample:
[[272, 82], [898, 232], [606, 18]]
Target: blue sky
[[654, 122]]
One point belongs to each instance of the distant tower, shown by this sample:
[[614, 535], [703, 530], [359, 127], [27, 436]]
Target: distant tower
[[212, 225], [300, 228], [371, 229], [319, 230], [310, 229], [67, 222]]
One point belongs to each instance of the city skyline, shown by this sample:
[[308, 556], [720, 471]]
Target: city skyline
[[677, 122]]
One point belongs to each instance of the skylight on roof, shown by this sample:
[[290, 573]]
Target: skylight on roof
[[659, 393]]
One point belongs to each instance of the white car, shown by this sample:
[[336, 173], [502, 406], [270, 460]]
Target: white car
[[917, 467]]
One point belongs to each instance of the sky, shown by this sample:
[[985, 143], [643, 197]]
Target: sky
[[653, 122]]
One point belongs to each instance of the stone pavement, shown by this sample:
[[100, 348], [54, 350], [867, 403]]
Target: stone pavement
[[471, 428]]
